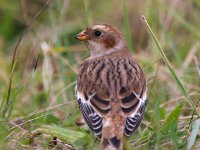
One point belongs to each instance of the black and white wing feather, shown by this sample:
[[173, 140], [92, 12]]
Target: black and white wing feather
[[132, 123], [135, 116], [93, 120]]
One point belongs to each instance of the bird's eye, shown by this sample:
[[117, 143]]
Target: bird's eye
[[97, 33]]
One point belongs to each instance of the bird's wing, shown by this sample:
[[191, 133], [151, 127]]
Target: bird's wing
[[133, 97], [92, 108], [93, 120], [92, 103], [134, 118]]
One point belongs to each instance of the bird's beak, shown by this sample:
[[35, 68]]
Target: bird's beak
[[82, 36]]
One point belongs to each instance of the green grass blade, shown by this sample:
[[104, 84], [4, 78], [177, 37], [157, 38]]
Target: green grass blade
[[127, 26], [87, 12], [174, 115], [191, 28], [66, 135], [194, 134], [170, 68]]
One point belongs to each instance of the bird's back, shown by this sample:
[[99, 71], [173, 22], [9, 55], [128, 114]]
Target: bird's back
[[111, 91]]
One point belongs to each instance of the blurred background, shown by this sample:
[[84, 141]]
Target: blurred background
[[39, 61]]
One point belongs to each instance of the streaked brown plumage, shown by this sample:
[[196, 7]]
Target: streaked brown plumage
[[111, 87]]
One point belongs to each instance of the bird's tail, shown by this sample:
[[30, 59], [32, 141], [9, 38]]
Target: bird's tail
[[111, 144]]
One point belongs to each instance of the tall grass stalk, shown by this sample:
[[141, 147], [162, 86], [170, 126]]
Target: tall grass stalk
[[87, 12], [127, 26], [170, 68]]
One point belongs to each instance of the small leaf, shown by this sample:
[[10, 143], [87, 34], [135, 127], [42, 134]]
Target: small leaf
[[66, 135], [174, 115]]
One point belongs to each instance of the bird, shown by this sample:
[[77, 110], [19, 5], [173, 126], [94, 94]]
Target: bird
[[111, 87]]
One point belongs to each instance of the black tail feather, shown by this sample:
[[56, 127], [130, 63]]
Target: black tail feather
[[111, 144]]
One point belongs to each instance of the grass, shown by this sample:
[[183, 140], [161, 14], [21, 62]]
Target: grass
[[40, 60], [170, 68]]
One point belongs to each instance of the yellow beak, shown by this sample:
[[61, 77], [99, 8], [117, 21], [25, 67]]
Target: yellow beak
[[82, 36]]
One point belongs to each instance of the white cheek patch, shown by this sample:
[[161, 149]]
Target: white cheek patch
[[119, 45], [95, 46], [97, 49]]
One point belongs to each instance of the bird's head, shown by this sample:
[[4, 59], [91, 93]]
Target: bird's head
[[102, 39]]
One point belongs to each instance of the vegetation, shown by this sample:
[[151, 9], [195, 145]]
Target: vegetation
[[39, 61]]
